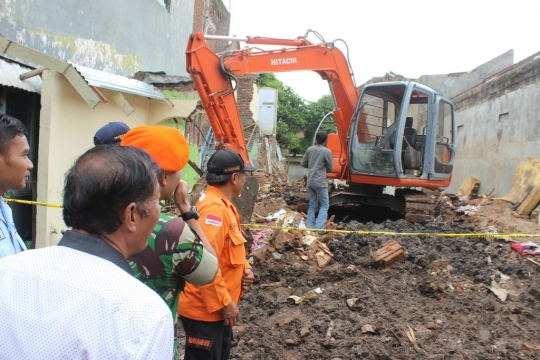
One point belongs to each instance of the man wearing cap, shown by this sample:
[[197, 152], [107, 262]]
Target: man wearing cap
[[174, 250], [208, 312], [112, 133]]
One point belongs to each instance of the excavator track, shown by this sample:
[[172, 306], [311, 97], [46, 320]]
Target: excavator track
[[419, 206]]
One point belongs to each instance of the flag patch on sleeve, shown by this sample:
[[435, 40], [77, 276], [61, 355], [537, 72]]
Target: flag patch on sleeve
[[213, 220]]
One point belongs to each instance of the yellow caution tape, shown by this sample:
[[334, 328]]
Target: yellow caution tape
[[392, 233], [358, 232], [33, 203]]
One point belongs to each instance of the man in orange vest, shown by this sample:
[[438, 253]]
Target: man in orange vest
[[208, 312]]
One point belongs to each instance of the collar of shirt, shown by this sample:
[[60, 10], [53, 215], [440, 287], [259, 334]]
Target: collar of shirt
[[6, 216], [94, 246], [212, 190]]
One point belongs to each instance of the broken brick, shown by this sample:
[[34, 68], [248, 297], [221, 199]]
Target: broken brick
[[390, 253]]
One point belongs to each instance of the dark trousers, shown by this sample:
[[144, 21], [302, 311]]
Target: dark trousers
[[206, 340]]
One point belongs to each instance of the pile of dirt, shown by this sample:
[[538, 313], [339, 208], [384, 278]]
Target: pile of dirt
[[436, 303], [443, 301], [439, 291]]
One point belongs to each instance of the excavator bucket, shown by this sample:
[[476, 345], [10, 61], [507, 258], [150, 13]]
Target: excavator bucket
[[244, 204]]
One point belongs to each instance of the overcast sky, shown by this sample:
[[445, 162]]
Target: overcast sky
[[407, 37]]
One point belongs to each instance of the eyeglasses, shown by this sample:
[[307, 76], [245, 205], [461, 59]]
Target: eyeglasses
[[246, 173]]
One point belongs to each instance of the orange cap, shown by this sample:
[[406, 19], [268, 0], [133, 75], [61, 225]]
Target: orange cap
[[166, 146]]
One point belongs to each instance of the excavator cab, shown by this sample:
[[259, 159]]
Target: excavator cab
[[402, 130]]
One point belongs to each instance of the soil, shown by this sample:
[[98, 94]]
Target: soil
[[434, 304]]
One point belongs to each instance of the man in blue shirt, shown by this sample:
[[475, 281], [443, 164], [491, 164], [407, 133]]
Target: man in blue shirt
[[15, 168], [318, 160]]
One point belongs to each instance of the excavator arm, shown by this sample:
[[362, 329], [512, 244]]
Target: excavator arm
[[215, 80]]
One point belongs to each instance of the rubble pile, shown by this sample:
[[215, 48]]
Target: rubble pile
[[328, 295]]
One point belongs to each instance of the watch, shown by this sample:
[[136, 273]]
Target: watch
[[191, 214]]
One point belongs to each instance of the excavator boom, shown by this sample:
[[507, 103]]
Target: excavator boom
[[214, 78]]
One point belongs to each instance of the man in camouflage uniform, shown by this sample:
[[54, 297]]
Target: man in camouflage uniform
[[177, 248]]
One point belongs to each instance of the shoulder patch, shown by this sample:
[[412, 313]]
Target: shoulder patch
[[213, 220]]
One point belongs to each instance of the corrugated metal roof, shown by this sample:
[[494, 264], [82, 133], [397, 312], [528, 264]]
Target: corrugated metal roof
[[104, 80], [9, 76]]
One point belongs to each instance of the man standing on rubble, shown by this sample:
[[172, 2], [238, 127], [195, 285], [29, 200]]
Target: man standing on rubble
[[209, 312], [174, 250], [318, 160], [15, 168], [80, 299]]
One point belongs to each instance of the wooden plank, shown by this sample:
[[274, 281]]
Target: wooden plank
[[100, 94], [522, 197], [35, 57], [82, 87], [35, 72], [4, 44], [121, 101]]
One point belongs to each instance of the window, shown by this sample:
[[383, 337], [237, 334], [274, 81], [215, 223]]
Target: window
[[444, 135]]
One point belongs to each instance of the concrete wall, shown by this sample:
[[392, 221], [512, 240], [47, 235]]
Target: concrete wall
[[66, 132], [498, 126], [296, 171], [120, 37], [451, 85]]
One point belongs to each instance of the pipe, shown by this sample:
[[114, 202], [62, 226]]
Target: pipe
[[316, 131]]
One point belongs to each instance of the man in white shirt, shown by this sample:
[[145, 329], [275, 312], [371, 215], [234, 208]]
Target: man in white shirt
[[15, 168], [81, 300]]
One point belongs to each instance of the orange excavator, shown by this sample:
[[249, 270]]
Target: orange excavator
[[393, 140]]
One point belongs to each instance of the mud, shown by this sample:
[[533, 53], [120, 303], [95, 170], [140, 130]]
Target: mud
[[434, 304], [439, 291]]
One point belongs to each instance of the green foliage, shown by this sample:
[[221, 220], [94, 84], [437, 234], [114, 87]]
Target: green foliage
[[297, 119]]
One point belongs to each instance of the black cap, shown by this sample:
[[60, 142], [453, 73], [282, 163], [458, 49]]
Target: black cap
[[111, 133], [227, 162]]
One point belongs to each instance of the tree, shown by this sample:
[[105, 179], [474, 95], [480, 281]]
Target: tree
[[297, 119], [316, 112]]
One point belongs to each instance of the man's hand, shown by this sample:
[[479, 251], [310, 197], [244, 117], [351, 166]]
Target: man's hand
[[230, 313], [181, 198], [247, 278]]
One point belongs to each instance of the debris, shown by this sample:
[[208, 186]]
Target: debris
[[259, 254], [412, 338], [469, 187], [297, 299], [369, 328], [527, 248], [290, 342], [390, 253], [522, 197], [258, 236], [304, 331], [527, 174], [275, 284], [467, 209], [323, 259], [276, 215], [319, 290], [351, 303], [501, 293], [330, 329], [531, 260], [531, 347]]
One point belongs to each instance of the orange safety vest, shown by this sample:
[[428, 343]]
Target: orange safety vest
[[221, 225]]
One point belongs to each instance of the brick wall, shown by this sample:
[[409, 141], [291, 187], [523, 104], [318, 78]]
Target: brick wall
[[244, 97], [212, 18]]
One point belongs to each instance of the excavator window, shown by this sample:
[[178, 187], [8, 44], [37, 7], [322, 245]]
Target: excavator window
[[371, 152], [444, 133]]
